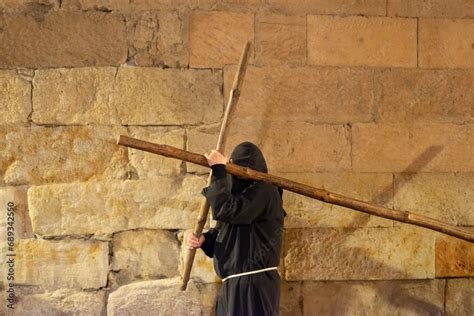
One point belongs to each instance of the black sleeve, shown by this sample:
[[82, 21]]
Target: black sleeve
[[209, 241], [233, 209]]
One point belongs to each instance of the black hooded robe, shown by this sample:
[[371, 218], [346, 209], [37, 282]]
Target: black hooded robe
[[247, 236]]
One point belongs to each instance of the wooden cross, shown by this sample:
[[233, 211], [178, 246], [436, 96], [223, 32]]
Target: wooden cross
[[299, 188]]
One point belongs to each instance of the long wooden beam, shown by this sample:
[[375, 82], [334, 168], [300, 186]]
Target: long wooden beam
[[303, 189]]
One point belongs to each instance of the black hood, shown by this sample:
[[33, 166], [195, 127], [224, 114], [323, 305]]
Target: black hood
[[248, 155]]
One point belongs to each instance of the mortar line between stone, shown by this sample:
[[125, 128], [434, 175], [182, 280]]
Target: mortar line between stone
[[306, 39], [417, 41], [30, 116], [445, 293]]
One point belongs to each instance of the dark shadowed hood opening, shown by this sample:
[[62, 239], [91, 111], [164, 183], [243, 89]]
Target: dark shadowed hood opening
[[247, 154]]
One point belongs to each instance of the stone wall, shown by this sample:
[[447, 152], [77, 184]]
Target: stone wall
[[372, 99]]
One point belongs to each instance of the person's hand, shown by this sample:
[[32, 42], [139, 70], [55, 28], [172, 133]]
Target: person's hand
[[193, 241], [215, 157]]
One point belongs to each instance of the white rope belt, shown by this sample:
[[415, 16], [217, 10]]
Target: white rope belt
[[250, 272]]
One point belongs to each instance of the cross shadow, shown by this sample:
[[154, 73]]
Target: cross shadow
[[393, 291]]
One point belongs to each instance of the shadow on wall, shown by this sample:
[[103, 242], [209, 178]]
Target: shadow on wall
[[395, 293]]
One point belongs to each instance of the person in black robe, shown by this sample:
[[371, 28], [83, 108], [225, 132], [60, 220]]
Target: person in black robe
[[247, 236]]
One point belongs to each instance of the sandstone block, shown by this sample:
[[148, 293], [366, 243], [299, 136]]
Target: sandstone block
[[143, 255], [460, 296], [168, 96], [15, 224], [446, 43], [432, 8], [217, 38], [74, 96], [62, 301], [286, 145], [359, 254], [290, 298], [158, 38], [82, 208], [281, 40], [358, 40], [243, 2], [408, 95], [306, 212], [69, 263], [444, 196], [137, 5], [162, 297], [414, 297], [38, 155], [310, 94], [129, 95], [62, 38], [203, 266], [454, 257], [148, 165], [412, 147], [342, 7], [32, 6], [15, 99]]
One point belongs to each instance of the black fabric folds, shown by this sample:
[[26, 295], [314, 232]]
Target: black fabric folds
[[247, 236]]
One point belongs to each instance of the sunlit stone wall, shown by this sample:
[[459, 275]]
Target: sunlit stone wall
[[372, 99]]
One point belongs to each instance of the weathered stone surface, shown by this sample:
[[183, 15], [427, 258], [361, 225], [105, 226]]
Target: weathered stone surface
[[18, 227], [412, 147], [130, 95], [358, 40], [285, 145], [38, 155], [162, 297], [444, 196], [60, 302], [143, 255], [454, 257], [306, 212], [421, 297], [137, 5], [316, 94], [158, 38], [203, 267], [343, 7], [104, 207], [148, 165], [281, 40], [15, 98], [34, 7], [200, 140], [359, 254], [61, 38], [408, 95], [446, 43], [432, 8], [168, 96], [18, 195], [291, 299], [243, 3], [217, 38], [69, 263], [74, 96], [460, 297]]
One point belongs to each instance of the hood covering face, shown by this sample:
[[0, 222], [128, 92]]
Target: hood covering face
[[248, 155]]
